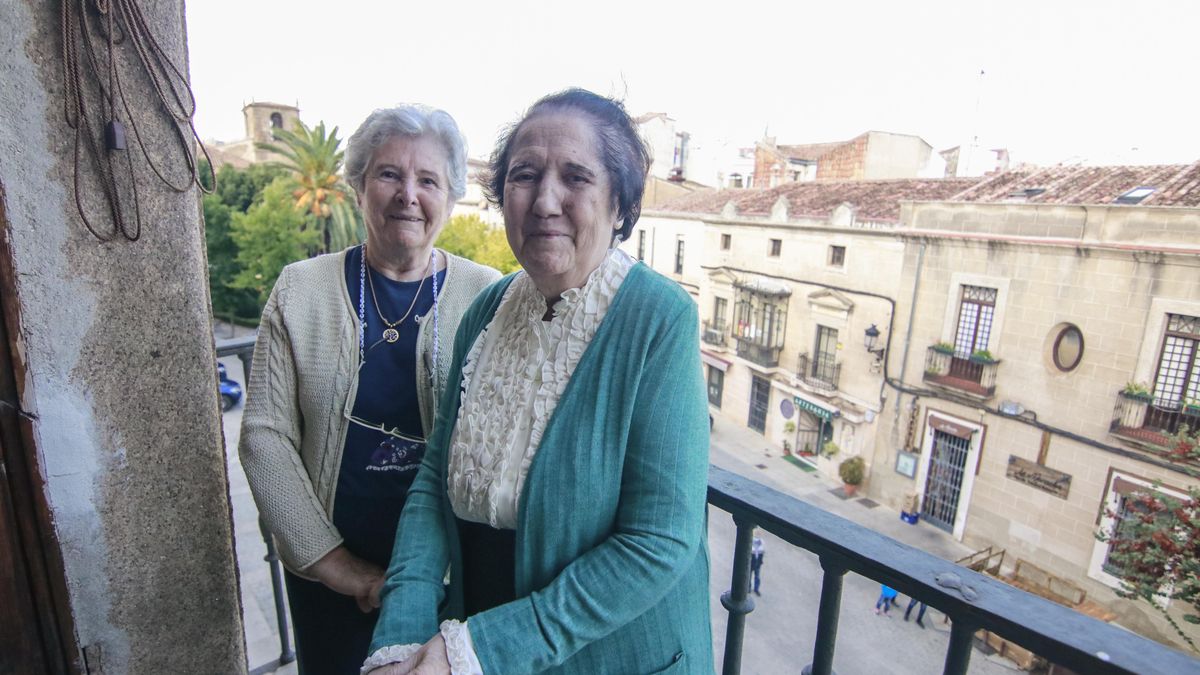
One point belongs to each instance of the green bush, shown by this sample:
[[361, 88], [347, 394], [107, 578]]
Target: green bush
[[852, 471]]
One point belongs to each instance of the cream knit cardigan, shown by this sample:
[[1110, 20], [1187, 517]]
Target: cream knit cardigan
[[305, 368]]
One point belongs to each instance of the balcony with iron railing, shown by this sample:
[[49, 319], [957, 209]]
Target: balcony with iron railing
[[971, 601], [970, 374], [715, 333], [1150, 420], [767, 357], [820, 374]]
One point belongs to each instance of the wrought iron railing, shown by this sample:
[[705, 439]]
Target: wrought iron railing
[[243, 348], [767, 357], [822, 372], [970, 600], [961, 371], [1152, 419], [715, 333]]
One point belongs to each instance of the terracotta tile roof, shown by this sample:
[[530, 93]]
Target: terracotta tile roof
[[1174, 185], [873, 200], [810, 151]]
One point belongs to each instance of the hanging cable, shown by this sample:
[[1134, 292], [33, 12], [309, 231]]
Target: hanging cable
[[120, 23]]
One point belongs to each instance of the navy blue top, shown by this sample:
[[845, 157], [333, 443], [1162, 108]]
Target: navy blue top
[[377, 468]]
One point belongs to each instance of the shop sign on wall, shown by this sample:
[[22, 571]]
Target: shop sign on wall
[[1041, 477]]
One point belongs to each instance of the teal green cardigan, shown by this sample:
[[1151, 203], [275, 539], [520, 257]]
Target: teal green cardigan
[[611, 544]]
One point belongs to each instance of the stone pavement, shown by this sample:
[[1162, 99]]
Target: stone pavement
[[779, 633]]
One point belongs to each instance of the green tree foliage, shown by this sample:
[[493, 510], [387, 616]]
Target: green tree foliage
[[468, 236], [271, 234], [312, 159], [1155, 549], [222, 264]]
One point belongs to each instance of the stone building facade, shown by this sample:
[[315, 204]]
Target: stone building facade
[[1011, 311]]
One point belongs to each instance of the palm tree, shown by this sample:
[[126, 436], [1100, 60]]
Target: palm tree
[[314, 160]]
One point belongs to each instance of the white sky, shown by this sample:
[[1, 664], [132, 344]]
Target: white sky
[[1099, 81]]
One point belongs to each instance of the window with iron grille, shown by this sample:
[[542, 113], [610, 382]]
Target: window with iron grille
[[825, 354], [726, 240], [775, 248], [1178, 376], [975, 314], [641, 245], [720, 306], [837, 256], [1126, 506], [679, 256]]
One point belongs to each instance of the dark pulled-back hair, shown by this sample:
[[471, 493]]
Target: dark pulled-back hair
[[625, 156]]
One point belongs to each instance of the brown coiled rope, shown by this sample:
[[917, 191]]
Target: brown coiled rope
[[121, 23]]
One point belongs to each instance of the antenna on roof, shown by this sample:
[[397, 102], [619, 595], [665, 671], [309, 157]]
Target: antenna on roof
[[975, 123]]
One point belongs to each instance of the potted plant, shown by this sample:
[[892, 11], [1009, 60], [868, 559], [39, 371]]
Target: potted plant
[[943, 348], [789, 428], [982, 356], [1191, 406], [937, 363], [852, 471], [1135, 400], [830, 449]]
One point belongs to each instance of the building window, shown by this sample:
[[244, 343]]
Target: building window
[[641, 245], [720, 306], [1123, 502], [1068, 348], [837, 256], [726, 241], [716, 385], [679, 256], [824, 366], [975, 315], [760, 318], [1177, 379], [1135, 196], [735, 180], [775, 247], [276, 120]]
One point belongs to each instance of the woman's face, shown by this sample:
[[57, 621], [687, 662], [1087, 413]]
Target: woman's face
[[559, 210], [406, 195]]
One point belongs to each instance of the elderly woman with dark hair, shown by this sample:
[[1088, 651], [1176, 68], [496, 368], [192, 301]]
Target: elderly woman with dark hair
[[564, 487], [352, 355]]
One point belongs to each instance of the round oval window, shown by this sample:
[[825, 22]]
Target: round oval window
[[1068, 348]]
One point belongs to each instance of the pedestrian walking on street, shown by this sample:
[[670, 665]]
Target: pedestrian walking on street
[[913, 602], [886, 595], [756, 562]]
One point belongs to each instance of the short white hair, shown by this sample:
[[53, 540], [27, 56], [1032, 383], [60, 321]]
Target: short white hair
[[408, 119]]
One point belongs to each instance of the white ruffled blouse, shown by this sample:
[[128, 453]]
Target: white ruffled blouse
[[512, 378]]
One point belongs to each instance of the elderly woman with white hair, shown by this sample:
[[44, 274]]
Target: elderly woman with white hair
[[353, 353]]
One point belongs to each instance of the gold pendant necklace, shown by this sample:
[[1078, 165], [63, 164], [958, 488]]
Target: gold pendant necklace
[[390, 334]]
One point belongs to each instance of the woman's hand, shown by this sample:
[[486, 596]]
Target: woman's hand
[[430, 659], [346, 573]]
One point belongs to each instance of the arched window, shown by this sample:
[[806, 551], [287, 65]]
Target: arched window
[[276, 120]]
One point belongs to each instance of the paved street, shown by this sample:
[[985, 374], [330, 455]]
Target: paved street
[[780, 631]]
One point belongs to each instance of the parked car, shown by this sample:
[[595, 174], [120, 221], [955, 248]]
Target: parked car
[[231, 390]]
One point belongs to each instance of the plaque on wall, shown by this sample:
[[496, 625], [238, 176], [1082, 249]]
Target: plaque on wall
[[906, 464], [1041, 477]]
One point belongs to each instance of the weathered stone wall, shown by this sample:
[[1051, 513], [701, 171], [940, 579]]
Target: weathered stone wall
[[120, 373]]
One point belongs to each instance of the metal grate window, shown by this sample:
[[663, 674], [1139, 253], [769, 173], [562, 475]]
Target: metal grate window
[[1178, 377], [679, 256], [975, 314], [943, 484], [641, 245]]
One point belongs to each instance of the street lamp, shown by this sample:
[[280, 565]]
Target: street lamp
[[871, 341]]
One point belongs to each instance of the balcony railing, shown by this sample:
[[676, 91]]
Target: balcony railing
[[972, 601], [821, 373], [962, 372], [1152, 420], [767, 357], [243, 348], [715, 333]]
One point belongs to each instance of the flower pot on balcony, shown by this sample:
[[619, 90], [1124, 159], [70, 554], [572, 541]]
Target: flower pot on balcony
[[937, 363], [1132, 414]]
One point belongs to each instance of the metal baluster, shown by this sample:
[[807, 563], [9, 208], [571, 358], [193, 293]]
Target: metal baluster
[[958, 654], [286, 653], [827, 617], [737, 600]]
